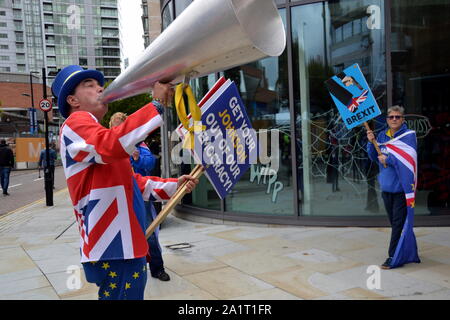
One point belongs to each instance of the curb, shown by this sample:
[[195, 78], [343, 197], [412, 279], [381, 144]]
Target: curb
[[30, 204]]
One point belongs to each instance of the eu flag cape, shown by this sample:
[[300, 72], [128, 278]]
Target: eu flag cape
[[403, 149]]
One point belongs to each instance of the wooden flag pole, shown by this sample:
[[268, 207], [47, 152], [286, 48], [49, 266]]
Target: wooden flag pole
[[193, 172], [181, 191], [374, 141]]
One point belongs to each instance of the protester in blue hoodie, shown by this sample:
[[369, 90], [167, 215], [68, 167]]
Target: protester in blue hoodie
[[392, 192], [143, 162]]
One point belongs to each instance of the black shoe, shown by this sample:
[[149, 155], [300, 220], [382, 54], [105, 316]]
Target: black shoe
[[387, 264], [163, 276], [5, 193]]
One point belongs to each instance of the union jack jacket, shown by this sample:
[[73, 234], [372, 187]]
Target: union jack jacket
[[106, 194]]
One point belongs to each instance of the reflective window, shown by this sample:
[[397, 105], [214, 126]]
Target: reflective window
[[180, 5], [167, 15], [335, 177], [421, 78], [267, 187]]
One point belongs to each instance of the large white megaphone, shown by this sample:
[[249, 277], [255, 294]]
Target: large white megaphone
[[208, 36]]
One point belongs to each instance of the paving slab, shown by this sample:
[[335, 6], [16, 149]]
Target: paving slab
[[40, 245], [226, 283]]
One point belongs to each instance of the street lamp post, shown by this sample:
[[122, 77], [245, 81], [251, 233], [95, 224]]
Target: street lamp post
[[47, 174]]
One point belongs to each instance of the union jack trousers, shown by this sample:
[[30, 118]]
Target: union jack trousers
[[106, 194]]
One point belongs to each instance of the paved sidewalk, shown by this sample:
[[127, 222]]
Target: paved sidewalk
[[39, 244]]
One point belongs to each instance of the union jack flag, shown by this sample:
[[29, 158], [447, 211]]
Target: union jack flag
[[356, 102], [403, 149], [106, 195]]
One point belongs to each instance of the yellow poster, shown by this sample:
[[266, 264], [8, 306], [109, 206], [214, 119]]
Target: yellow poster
[[29, 149]]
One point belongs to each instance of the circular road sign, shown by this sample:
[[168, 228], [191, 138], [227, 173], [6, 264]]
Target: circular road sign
[[45, 105]]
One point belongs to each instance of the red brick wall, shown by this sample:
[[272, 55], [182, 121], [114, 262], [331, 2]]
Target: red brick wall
[[11, 94]]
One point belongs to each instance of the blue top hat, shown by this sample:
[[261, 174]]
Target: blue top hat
[[67, 80]]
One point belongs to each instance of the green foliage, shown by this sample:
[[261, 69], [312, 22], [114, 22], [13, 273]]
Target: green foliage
[[127, 106]]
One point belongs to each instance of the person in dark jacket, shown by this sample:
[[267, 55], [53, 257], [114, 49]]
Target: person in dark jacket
[[143, 162], [6, 164], [43, 162], [392, 191]]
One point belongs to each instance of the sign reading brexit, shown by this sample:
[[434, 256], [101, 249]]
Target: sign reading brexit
[[353, 97], [227, 145]]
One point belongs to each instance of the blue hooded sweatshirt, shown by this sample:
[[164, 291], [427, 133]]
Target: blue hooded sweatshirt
[[146, 162], [388, 178], [144, 166]]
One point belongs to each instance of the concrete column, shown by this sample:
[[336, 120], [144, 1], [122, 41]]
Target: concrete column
[[154, 19]]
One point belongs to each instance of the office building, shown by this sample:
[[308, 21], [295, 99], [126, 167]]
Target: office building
[[324, 175]]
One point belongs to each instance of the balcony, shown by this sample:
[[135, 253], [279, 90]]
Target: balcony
[[48, 19], [110, 33], [110, 23], [109, 13], [108, 3], [110, 42], [50, 41], [109, 63], [51, 62], [48, 8], [109, 53], [50, 51], [110, 74]]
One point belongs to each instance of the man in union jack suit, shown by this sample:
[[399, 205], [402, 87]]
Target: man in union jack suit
[[143, 162], [398, 181], [108, 198]]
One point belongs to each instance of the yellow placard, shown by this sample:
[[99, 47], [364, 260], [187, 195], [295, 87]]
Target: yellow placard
[[29, 149]]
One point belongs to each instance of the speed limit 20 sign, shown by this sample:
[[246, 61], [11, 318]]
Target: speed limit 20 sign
[[45, 105]]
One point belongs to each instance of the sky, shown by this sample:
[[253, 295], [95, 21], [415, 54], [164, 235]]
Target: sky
[[131, 30]]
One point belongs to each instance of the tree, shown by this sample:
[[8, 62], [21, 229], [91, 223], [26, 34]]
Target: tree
[[128, 105]]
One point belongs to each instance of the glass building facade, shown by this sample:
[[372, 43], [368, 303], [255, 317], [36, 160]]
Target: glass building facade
[[324, 176], [56, 33]]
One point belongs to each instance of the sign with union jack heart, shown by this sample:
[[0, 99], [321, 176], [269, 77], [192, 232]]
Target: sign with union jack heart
[[353, 97]]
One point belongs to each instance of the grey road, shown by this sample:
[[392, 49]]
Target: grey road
[[26, 187]]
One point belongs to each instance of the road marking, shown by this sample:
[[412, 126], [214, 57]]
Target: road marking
[[16, 185], [38, 179]]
